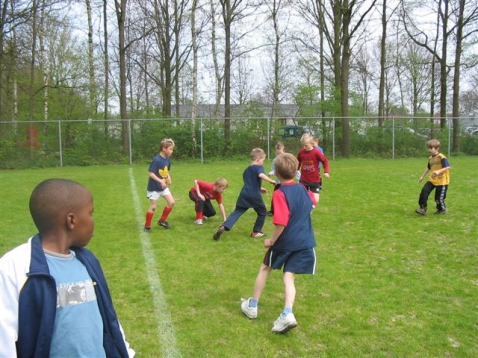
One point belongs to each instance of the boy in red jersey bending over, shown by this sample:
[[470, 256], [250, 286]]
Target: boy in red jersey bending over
[[202, 193]]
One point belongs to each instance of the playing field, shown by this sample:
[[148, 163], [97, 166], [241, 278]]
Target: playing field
[[390, 283]]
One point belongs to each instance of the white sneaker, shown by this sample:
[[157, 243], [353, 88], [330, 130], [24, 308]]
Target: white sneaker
[[250, 312], [257, 234], [198, 222], [284, 324]]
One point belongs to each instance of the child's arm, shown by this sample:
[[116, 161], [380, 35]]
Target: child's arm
[[163, 182], [223, 211], [275, 235], [323, 159], [198, 190], [8, 309], [267, 179], [423, 175], [439, 171], [445, 166]]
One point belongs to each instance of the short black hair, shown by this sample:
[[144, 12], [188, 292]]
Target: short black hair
[[52, 199]]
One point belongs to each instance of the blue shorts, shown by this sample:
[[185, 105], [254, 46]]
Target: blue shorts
[[301, 261]]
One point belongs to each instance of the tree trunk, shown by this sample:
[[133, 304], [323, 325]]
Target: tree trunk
[[383, 63], [194, 108], [31, 98], [121, 17], [443, 68], [456, 78], [227, 17], [91, 65], [217, 74], [106, 64], [344, 85]]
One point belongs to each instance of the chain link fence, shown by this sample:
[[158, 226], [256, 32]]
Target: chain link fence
[[95, 142]]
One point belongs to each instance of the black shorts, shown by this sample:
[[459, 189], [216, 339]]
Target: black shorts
[[301, 261], [313, 187]]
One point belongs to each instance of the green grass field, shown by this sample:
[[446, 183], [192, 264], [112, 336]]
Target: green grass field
[[390, 283]]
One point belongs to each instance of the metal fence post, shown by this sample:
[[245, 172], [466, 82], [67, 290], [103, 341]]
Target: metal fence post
[[130, 146], [449, 136], [268, 138], [333, 138], [202, 152], [393, 137], [59, 144]]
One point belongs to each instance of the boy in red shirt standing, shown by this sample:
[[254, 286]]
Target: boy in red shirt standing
[[202, 193], [309, 158]]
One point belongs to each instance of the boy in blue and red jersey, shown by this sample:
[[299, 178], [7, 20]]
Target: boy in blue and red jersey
[[309, 159], [439, 180], [158, 181], [292, 245]]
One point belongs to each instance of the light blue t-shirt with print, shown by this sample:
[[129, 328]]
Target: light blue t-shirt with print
[[78, 330]]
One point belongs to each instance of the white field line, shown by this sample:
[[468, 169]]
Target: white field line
[[166, 334]]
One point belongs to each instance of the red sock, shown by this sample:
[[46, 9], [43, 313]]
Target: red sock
[[149, 218], [166, 212], [199, 215]]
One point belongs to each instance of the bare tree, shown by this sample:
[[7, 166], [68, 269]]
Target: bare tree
[[277, 83], [463, 20], [421, 38], [120, 7], [361, 65], [194, 109], [342, 21], [218, 76], [106, 63], [91, 66], [383, 62], [416, 62]]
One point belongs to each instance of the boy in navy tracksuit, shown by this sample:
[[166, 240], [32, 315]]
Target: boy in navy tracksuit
[[292, 245], [54, 299], [250, 196]]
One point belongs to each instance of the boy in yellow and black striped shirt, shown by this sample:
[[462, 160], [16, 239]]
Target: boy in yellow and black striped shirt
[[439, 179]]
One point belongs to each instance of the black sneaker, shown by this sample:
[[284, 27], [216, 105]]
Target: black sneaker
[[440, 212], [218, 233], [147, 229], [421, 211], [164, 224]]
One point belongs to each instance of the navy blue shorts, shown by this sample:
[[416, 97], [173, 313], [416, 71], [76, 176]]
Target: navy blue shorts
[[302, 261]]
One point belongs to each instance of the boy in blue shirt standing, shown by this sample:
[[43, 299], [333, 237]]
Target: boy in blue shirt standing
[[292, 245], [159, 180]]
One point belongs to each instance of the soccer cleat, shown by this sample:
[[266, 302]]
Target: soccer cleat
[[147, 229], [440, 212], [270, 213], [198, 222], [421, 211], [250, 312], [284, 324], [257, 234], [218, 233], [164, 224]]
